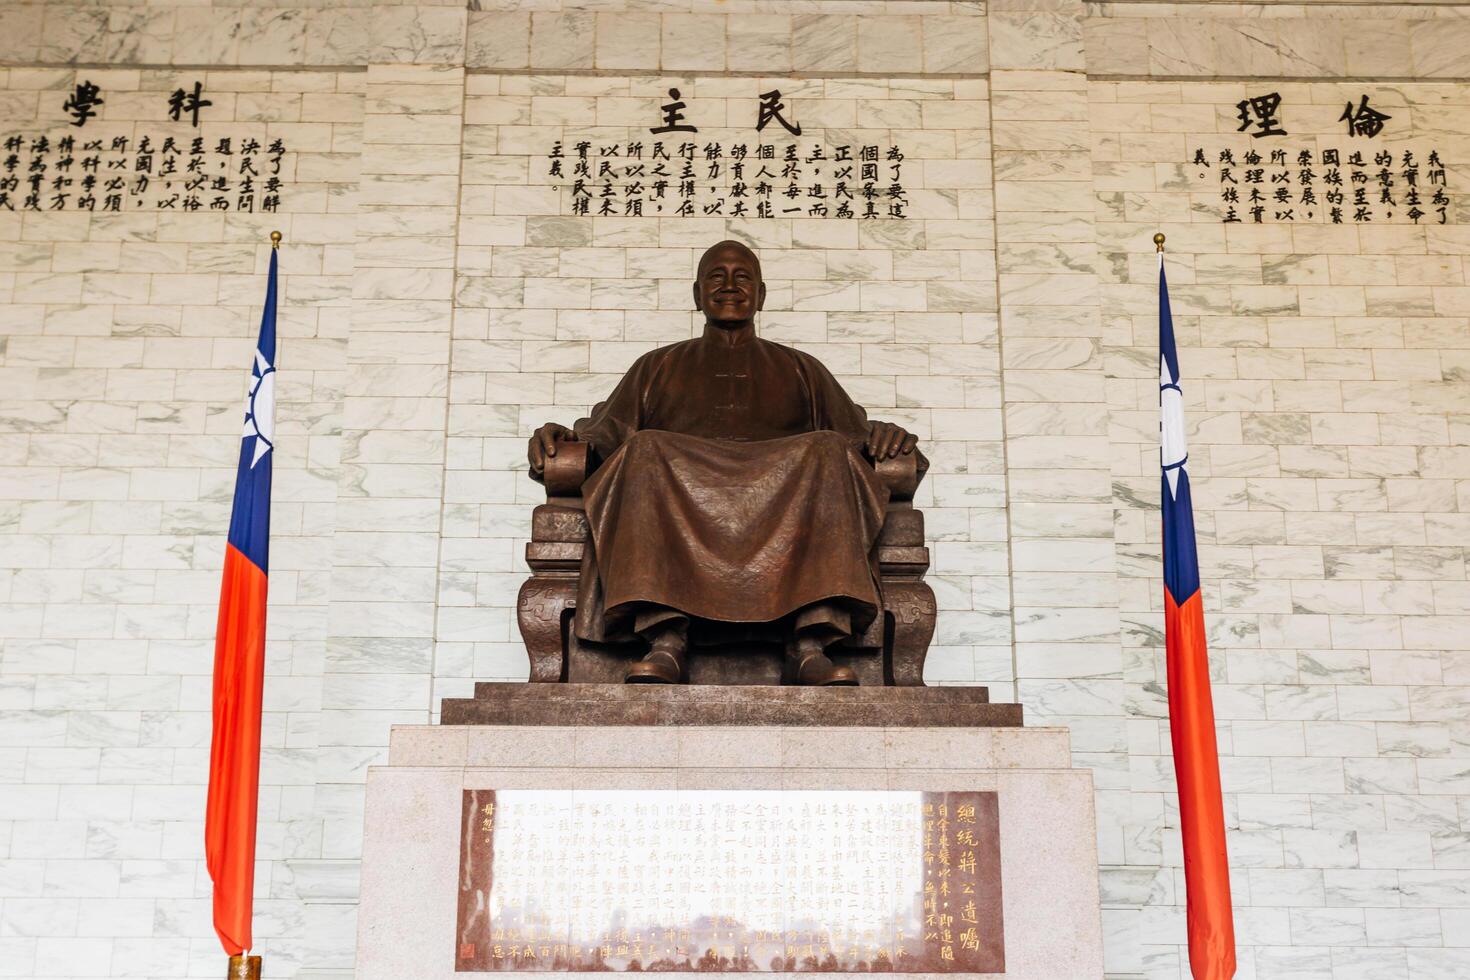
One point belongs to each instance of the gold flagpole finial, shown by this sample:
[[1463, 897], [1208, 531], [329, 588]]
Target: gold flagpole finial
[[275, 239], [1159, 241]]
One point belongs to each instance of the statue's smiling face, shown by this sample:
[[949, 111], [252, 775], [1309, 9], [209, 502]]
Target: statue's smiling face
[[729, 287]]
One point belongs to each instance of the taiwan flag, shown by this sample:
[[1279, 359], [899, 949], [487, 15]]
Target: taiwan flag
[[1191, 710], [239, 655]]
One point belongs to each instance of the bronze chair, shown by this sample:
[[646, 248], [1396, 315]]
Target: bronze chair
[[890, 652]]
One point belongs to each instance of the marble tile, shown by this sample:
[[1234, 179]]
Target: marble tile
[[1117, 46], [955, 45], [333, 37], [418, 35], [889, 44], [498, 39], [692, 41], [1035, 41], [1438, 48], [824, 42], [759, 42], [68, 32], [1381, 47], [140, 36], [1437, 964], [1316, 48], [21, 30], [272, 37], [628, 39], [1181, 46], [563, 40]]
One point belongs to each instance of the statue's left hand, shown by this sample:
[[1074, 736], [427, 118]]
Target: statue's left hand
[[886, 440]]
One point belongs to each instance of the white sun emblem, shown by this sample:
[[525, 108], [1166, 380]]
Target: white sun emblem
[[1173, 449], [260, 408]]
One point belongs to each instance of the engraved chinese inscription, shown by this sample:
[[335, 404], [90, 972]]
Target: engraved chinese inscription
[[153, 173], [649, 179], [1404, 186], [709, 880]]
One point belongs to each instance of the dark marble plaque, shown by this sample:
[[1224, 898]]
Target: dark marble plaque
[[730, 881]]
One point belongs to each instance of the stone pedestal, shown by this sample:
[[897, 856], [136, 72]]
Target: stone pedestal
[[752, 704], [1047, 845]]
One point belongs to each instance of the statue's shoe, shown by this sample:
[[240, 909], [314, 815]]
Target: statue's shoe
[[817, 670], [658, 667]]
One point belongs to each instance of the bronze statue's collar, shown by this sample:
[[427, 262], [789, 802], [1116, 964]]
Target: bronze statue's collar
[[728, 336]]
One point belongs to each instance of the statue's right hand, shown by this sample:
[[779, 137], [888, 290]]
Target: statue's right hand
[[543, 444]]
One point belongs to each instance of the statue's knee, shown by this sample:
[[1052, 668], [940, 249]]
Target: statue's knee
[[830, 441], [642, 443]]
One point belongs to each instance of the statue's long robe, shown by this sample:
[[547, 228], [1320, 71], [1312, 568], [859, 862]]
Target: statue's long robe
[[731, 486]]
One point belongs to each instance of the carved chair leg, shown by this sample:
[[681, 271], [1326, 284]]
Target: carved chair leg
[[541, 611], [912, 606]]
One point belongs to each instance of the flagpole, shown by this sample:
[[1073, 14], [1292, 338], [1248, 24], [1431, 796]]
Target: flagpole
[[1209, 918], [239, 665], [242, 965]]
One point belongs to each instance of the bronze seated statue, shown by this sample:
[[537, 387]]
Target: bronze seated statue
[[727, 496]]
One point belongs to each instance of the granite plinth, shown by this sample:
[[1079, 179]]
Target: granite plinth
[[646, 704], [415, 820]]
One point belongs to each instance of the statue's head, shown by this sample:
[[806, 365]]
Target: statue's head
[[728, 287]]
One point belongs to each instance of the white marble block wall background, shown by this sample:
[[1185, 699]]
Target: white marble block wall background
[[123, 353], [1323, 380], [439, 301]]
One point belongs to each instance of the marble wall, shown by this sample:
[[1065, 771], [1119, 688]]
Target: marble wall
[[123, 341], [1324, 388], [441, 298]]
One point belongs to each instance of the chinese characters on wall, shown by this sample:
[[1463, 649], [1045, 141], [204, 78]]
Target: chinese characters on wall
[[1327, 185], [771, 109], [786, 881], [755, 180], [683, 176], [79, 170], [82, 104], [1353, 184], [155, 173], [1258, 116]]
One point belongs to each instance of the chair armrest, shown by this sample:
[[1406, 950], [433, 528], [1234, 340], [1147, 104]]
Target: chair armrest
[[901, 475], [566, 471]]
